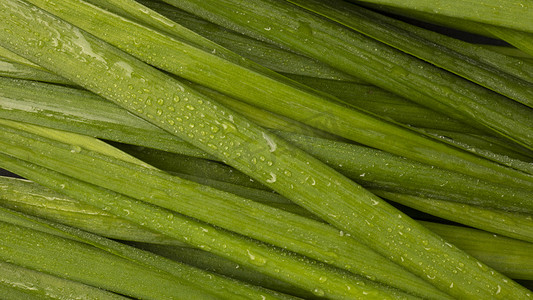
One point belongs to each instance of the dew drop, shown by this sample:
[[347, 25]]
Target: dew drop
[[271, 143], [256, 259], [272, 178], [75, 149], [319, 292]]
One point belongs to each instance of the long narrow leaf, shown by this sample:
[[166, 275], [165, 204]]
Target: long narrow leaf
[[515, 225], [507, 13], [179, 25], [25, 284], [33, 199], [219, 286], [81, 262], [402, 37], [17, 70], [511, 257]]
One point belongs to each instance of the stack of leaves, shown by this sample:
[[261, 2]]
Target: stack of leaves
[[266, 149]]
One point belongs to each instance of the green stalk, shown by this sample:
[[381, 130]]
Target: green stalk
[[265, 54], [513, 155], [268, 198], [84, 112], [311, 238], [374, 169], [385, 104], [219, 286], [80, 262], [515, 225], [405, 37], [9, 55], [260, 87], [507, 13], [25, 284], [514, 66], [263, 117], [193, 166], [519, 39], [516, 38], [17, 294], [297, 270], [291, 172], [509, 51], [401, 110], [17, 70], [356, 54], [59, 102], [509, 256], [505, 155], [33, 199], [213, 263]]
